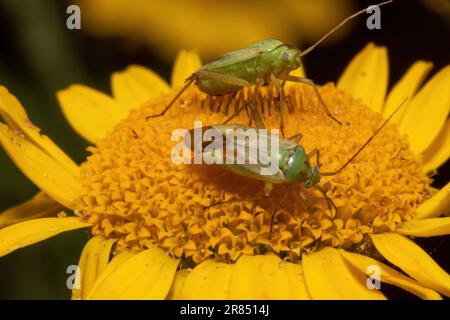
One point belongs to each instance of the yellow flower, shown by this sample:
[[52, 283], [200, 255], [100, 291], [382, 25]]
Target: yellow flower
[[153, 216], [211, 26]]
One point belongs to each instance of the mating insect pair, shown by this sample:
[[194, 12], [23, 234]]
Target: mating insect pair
[[266, 61]]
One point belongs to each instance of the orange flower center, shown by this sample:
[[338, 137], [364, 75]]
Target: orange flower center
[[134, 192]]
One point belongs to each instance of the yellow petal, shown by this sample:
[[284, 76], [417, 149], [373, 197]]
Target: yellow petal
[[91, 113], [408, 256], [178, 284], [367, 75], [329, 277], [49, 175], [136, 85], [297, 280], [29, 232], [210, 280], [117, 262], [406, 88], [16, 118], [146, 275], [425, 228], [299, 72], [246, 282], [186, 63], [427, 112], [389, 275], [439, 151], [41, 205], [438, 205], [265, 277], [93, 262]]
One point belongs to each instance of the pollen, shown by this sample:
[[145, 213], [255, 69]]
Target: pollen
[[134, 192]]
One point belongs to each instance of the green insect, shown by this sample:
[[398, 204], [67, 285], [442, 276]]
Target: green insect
[[293, 164], [266, 61]]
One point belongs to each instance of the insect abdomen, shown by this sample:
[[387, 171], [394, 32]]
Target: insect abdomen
[[249, 70]]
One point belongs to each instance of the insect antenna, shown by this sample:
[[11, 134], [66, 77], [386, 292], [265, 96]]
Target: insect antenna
[[365, 143], [188, 83], [311, 48]]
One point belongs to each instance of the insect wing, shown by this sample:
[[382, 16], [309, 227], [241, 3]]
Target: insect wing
[[233, 57], [208, 142], [248, 152]]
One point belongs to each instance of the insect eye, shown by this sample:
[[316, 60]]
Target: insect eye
[[285, 57]]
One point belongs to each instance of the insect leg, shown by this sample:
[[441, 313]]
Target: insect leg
[[283, 197], [311, 83], [280, 90], [330, 202], [234, 115], [189, 81], [315, 152], [256, 116], [283, 84], [239, 82]]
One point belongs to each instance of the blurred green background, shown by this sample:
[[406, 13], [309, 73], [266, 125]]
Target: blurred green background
[[39, 56]]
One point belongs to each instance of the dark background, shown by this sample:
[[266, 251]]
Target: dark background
[[39, 56]]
